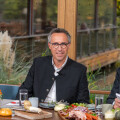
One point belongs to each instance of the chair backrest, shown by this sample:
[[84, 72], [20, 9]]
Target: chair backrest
[[104, 92], [9, 91]]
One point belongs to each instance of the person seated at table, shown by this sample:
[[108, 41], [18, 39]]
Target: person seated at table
[[112, 99], [57, 77]]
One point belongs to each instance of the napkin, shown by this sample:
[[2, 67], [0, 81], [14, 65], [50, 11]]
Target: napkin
[[118, 95], [14, 103]]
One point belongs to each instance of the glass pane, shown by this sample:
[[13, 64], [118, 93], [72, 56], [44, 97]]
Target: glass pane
[[31, 47], [45, 16], [101, 40], [93, 41], [82, 44], [110, 38], [105, 14], [85, 17], [13, 17], [85, 21]]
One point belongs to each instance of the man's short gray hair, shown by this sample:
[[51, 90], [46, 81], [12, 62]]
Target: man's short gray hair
[[59, 30]]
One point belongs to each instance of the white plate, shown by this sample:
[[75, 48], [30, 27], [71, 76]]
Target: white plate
[[47, 105], [91, 106]]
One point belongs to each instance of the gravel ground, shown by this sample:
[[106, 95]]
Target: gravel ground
[[106, 82]]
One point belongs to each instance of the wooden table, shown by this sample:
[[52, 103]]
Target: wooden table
[[54, 117], [5, 101]]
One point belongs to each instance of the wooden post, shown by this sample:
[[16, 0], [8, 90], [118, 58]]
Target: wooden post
[[61, 14], [67, 11]]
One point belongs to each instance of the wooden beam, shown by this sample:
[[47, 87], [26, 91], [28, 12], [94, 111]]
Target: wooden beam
[[61, 14], [67, 12], [11, 85], [100, 59], [70, 25]]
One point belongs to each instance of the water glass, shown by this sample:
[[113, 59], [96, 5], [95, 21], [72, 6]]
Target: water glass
[[98, 104], [23, 95]]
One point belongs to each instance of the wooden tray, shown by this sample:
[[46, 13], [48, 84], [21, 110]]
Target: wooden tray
[[63, 118], [33, 116]]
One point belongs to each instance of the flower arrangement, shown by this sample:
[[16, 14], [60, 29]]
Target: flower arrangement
[[1, 94]]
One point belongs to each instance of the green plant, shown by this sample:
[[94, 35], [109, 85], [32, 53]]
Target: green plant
[[46, 52], [92, 79], [117, 64], [91, 76], [14, 76], [14, 66], [19, 70]]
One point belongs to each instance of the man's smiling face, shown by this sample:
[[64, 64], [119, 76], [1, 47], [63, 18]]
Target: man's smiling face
[[59, 53]]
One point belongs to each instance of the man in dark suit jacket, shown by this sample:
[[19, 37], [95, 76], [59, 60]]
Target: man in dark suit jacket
[[57, 77], [116, 89]]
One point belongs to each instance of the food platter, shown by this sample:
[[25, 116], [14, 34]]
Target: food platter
[[78, 111]]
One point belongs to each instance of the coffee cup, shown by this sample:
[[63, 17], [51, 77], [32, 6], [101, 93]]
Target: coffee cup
[[34, 101]]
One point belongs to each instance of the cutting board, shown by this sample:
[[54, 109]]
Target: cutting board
[[33, 116]]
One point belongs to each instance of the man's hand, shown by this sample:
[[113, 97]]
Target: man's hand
[[117, 103]]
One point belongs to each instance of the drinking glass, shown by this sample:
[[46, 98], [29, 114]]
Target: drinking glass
[[98, 103], [23, 95]]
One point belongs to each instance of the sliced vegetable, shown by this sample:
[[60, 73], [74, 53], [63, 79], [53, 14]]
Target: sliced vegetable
[[74, 105], [91, 117]]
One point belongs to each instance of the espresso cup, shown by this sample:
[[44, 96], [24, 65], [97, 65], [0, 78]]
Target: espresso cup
[[34, 101]]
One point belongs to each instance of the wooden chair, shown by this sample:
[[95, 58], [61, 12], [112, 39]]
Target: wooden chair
[[9, 91], [100, 92]]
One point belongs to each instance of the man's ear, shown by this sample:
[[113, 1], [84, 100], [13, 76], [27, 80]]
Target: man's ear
[[49, 45], [69, 45]]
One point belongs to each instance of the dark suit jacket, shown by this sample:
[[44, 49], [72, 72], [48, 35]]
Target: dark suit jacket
[[71, 83], [115, 89]]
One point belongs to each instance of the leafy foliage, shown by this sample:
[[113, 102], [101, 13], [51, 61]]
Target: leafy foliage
[[14, 9], [118, 7], [18, 72], [91, 76], [16, 75]]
